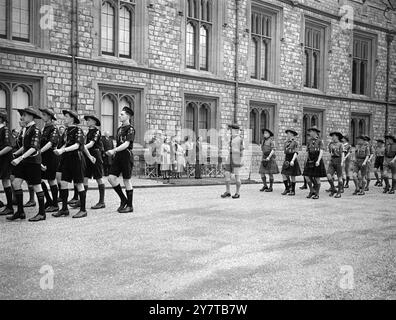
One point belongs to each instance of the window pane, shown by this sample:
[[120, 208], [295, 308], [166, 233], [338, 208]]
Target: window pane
[[354, 76], [203, 49], [263, 121], [20, 100], [125, 32], [3, 99], [307, 69], [253, 125], [315, 70], [107, 28], [264, 60], [108, 111], [204, 14], [20, 19], [190, 46], [363, 75], [203, 118], [253, 58], [305, 128], [3, 18], [190, 117]]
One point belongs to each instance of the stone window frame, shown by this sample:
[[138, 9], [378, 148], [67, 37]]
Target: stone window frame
[[360, 124], [198, 102], [215, 46], [116, 93], [35, 32], [261, 108], [324, 27], [277, 34], [372, 39], [138, 34], [33, 85], [310, 118]]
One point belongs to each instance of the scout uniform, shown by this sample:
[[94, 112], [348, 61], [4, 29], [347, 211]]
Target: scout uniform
[[270, 166], [30, 168], [123, 162], [368, 170], [390, 154], [95, 170], [290, 149], [50, 133], [234, 162], [362, 151], [379, 160], [336, 150], [5, 163], [311, 171]]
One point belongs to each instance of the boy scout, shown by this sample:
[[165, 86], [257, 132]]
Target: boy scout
[[379, 162], [48, 143], [314, 167], [5, 162], [29, 160], [93, 154], [234, 162], [367, 139], [347, 161], [362, 155], [73, 164], [390, 164], [291, 168], [123, 161], [268, 163], [336, 164]]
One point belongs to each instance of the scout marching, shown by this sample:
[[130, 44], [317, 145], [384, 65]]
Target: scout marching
[[60, 159], [342, 166]]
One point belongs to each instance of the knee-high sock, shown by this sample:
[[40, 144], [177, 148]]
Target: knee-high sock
[[31, 194], [286, 183], [101, 193], [83, 197], [46, 193], [8, 193], [121, 194], [331, 182], [19, 199], [130, 198], [271, 182], [75, 195], [310, 185], [40, 198], [64, 194], [264, 179], [54, 192]]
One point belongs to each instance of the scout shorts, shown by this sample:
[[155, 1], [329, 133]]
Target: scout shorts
[[30, 172], [335, 167], [73, 167], [49, 160], [358, 167], [122, 164], [94, 170]]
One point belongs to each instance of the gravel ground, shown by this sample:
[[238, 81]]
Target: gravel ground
[[187, 243]]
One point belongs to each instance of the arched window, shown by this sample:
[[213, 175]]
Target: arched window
[[263, 120], [314, 121], [314, 52], [204, 117], [253, 125], [305, 128], [21, 98], [125, 32], [3, 99], [108, 27], [203, 43], [362, 127], [20, 20], [198, 31], [127, 102], [353, 131], [190, 117], [108, 111]]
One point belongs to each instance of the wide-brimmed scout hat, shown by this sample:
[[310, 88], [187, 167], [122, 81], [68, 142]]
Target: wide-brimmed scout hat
[[72, 114], [361, 137], [49, 111], [90, 116], [267, 130], [314, 128], [367, 138], [128, 111], [294, 133], [235, 126], [380, 140], [31, 111], [338, 134], [345, 138], [390, 136]]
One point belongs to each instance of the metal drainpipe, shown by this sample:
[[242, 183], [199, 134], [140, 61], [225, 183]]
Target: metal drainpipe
[[389, 39], [236, 96]]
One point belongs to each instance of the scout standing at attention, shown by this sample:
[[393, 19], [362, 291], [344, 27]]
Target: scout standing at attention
[[29, 160], [234, 162], [5, 162], [123, 161], [347, 161], [367, 139], [291, 168], [362, 155], [390, 164], [48, 143], [94, 161], [336, 164], [314, 167], [379, 162], [268, 163], [72, 164]]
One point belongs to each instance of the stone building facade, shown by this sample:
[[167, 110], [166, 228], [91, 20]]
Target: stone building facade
[[203, 64]]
